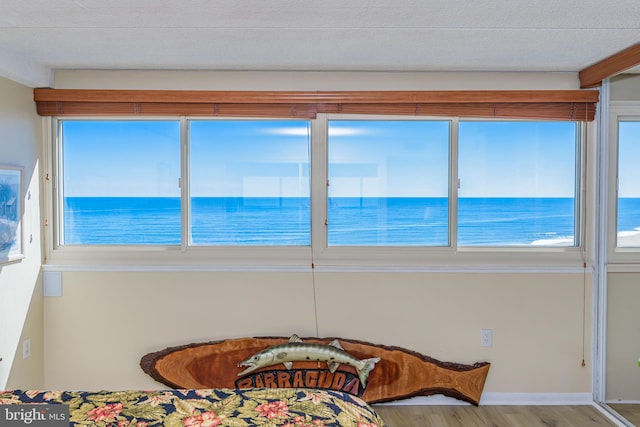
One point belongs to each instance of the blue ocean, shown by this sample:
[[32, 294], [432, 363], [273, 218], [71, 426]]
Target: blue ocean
[[351, 221]]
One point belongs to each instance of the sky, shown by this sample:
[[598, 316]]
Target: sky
[[517, 159], [629, 149], [392, 158], [123, 158]]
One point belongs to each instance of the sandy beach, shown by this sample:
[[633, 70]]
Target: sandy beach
[[629, 239], [626, 239]]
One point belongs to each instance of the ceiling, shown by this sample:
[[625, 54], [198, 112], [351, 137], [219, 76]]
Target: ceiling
[[38, 37]]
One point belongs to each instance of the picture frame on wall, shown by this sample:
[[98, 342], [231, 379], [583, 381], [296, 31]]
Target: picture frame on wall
[[11, 209]]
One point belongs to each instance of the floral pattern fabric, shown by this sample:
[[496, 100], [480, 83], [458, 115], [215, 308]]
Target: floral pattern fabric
[[268, 407]]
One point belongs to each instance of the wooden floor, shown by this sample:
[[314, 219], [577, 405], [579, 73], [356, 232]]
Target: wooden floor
[[631, 412], [493, 416]]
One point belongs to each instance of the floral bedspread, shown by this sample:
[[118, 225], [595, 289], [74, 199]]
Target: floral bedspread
[[207, 408]]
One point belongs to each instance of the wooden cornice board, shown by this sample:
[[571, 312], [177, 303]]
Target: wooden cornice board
[[400, 373]]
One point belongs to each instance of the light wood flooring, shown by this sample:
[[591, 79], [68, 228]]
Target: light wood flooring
[[492, 416], [631, 412]]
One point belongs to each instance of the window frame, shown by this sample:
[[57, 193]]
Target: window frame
[[580, 190], [454, 257], [452, 188], [58, 198], [185, 179], [620, 258], [317, 255]]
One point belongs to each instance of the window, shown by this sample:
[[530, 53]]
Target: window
[[120, 182], [388, 183], [328, 188], [517, 183], [249, 182], [628, 212]]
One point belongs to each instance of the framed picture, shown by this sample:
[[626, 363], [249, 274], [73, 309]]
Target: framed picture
[[10, 213]]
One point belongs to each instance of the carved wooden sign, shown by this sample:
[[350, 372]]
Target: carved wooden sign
[[399, 373]]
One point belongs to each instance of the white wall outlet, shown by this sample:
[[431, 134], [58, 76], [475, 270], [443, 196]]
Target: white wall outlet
[[486, 337], [26, 348]]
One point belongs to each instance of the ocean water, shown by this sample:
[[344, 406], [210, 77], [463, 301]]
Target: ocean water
[[351, 221], [423, 221], [628, 214]]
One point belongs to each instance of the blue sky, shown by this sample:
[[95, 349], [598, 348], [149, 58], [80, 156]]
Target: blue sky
[[126, 158], [629, 148], [250, 158], [257, 158], [388, 158], [517, 159]]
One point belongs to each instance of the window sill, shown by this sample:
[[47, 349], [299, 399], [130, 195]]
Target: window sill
[[173, 258]]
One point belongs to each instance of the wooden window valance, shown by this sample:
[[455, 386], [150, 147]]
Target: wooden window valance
[[574, 105], [617, 63]]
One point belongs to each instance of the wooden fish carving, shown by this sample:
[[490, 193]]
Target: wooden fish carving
[[298, 351], [399, 374]]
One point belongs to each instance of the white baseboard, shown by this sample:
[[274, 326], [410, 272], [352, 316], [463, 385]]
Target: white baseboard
[[504, 399], [536, 398]]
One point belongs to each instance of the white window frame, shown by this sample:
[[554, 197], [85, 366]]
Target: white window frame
[[319, 255], [581, 193], [185, 183], [620, 259], [453, 257]]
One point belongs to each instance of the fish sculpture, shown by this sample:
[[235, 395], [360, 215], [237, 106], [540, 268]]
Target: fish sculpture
[[401, 373], [298, 351]]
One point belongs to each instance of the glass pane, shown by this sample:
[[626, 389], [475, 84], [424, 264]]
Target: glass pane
[[628, 184], [250, 182], [120, 182], [517, 183], [389, 183]]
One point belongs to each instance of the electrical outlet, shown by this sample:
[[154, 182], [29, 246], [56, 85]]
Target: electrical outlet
[[26, 348], [486, 337]]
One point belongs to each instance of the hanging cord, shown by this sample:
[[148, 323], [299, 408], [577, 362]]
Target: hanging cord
[[315, 300], [584, 309], [583, 232], [313, 266]]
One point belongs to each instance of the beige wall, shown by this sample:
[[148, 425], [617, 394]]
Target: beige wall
[[29, 373], [625, 87], [104, 323], [96, 333], [623, 337], [20, 283], [248, 80]]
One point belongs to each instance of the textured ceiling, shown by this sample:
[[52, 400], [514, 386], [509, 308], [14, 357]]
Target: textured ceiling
[[40, 36]]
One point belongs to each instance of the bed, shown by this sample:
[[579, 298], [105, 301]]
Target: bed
[[289, 407]]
